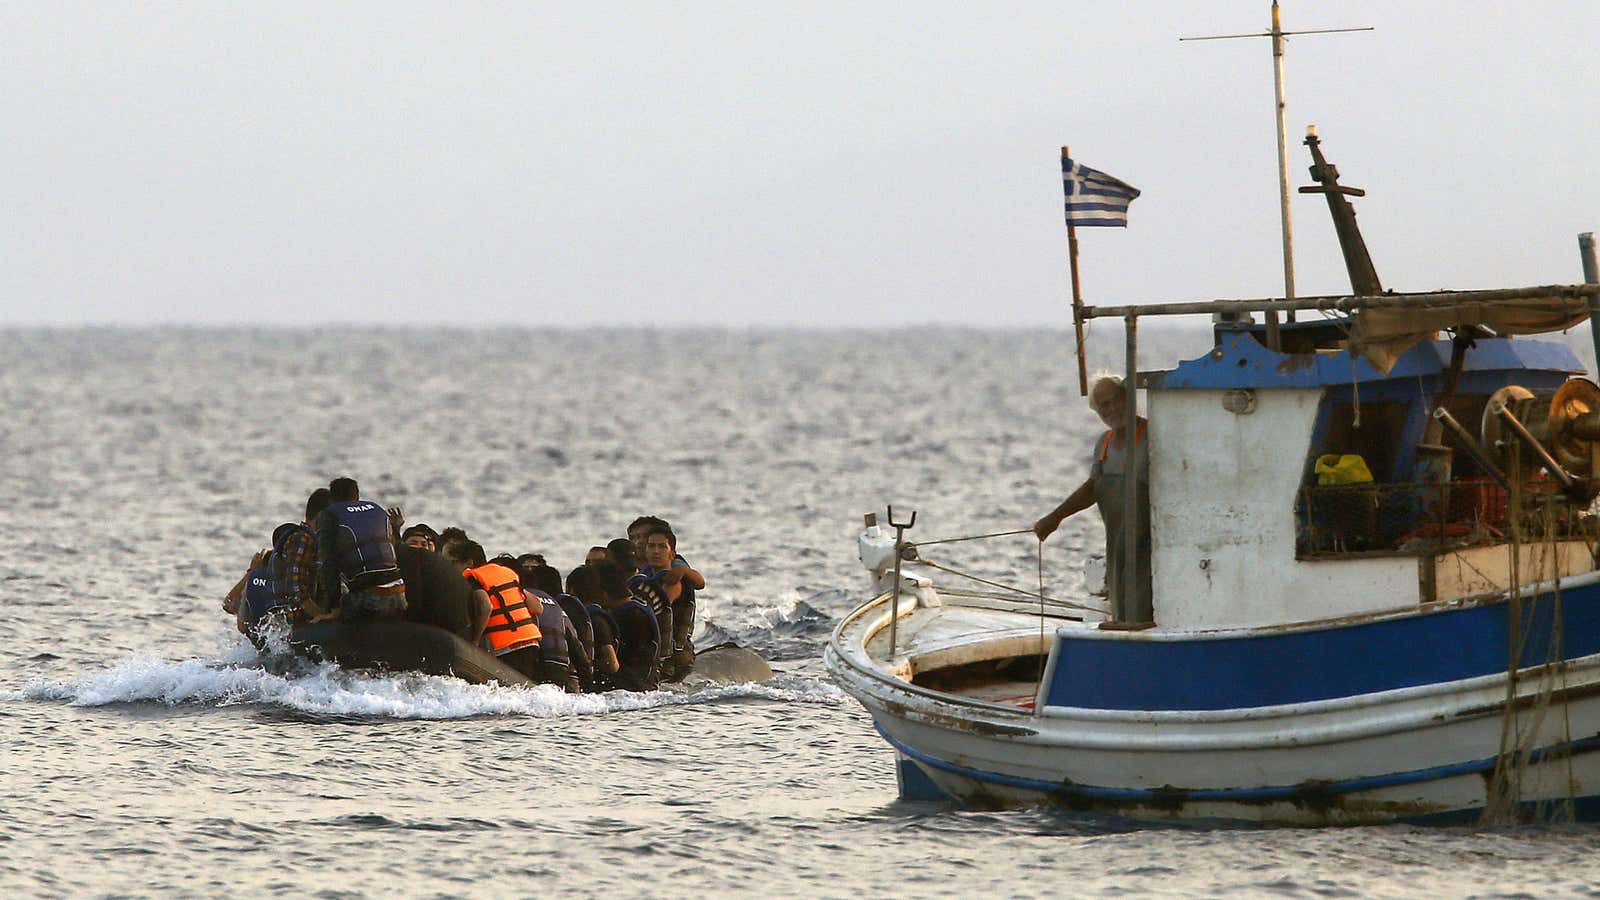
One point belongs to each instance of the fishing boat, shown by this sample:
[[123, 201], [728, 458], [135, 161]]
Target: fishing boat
[[1373, 579]]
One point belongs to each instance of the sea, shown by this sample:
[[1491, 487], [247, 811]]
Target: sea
[[148, 752]]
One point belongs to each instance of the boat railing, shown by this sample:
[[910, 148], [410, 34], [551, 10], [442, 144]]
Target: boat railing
[[1417, 519]]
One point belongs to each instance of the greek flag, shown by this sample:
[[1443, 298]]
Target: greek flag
[[1095, 198]]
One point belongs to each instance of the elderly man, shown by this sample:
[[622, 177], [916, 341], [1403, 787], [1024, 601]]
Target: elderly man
[[1109, 473]]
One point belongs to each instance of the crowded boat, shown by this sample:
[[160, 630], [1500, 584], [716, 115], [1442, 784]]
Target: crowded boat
[[352, 574]]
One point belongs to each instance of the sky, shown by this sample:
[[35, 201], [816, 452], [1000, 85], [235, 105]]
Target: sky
[[752, 164]]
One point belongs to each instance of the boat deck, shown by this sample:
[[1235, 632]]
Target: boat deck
[[1007, 693]]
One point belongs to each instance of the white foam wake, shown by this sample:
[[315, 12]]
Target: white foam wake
[[325, 689]]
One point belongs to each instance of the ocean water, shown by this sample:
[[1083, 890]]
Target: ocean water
[[146, 752]]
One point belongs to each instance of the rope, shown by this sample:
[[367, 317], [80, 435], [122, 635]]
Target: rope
[[1068, 604], [974, 537], [1520, 734], [1556, 668], [1042, 647], [1500, 796], [1355, 391]]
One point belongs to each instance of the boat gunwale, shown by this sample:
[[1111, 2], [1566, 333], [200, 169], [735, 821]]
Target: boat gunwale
[[1481, 697], [842, 659], [1296, 794]]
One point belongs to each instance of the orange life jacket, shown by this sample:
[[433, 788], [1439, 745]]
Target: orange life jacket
[[513, 622], [1105, 442]]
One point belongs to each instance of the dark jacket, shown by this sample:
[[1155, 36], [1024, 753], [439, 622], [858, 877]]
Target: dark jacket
[[436, 594]]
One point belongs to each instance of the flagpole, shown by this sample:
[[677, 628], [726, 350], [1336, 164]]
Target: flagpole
[[1077, 299]]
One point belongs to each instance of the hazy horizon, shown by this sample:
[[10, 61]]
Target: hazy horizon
[[825, 166]]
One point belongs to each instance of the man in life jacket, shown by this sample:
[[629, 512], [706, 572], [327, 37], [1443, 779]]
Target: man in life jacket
[[638, 635], [577, 628], [512, 633], [355, 555], [294, 562], [682, 623], [584, 586], [1119, 460], [251, 599], [678, 582]]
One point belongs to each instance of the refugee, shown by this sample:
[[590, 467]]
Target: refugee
[[235, 594], [437, 595], [1108, 477], [651, 593], [356, 557], [605, 649], [638, 636], [513, 632], [580, 633], [574, 608], [449, 538], [583, 585], [638, 528], [293, 567], [421, 537], [680, 581], [556, 634], [620, 553], [251, 599], [556, 642]]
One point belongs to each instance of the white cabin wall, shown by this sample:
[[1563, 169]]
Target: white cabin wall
[[1222, 492]]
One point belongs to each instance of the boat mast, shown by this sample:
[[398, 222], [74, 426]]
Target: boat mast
[[1283, 160], [1278, 34], [1364, 280]]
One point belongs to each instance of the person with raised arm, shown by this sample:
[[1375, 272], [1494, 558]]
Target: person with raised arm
[[1117, 459]]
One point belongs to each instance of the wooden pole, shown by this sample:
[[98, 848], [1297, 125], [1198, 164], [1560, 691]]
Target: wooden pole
[[1273, 339], [1125, 608], [1077, 299], [1591, 275], [1348, 303]]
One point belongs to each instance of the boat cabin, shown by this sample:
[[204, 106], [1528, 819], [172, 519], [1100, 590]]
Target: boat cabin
[[1247, 532]]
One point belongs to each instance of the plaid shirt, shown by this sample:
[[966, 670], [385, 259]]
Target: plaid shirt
[[300, 570]]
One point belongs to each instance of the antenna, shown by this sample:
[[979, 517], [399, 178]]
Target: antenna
[[1278, 34]]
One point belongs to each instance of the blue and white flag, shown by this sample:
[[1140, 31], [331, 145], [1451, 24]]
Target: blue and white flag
[[1095, 198]]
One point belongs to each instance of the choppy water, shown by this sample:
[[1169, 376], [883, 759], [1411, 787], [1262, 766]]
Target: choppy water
[[144, 753]]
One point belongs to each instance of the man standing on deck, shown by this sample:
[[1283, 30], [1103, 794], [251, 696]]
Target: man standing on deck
[[1108, 478]]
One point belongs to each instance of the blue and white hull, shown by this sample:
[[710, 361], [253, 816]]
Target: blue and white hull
[[1369, 718]]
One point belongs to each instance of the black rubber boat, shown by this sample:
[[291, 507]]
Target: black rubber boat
[[401, 647], [413, 647]]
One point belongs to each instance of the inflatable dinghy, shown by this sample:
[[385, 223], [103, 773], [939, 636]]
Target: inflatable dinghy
[[727, 664], [412, 647], [401, 647]]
